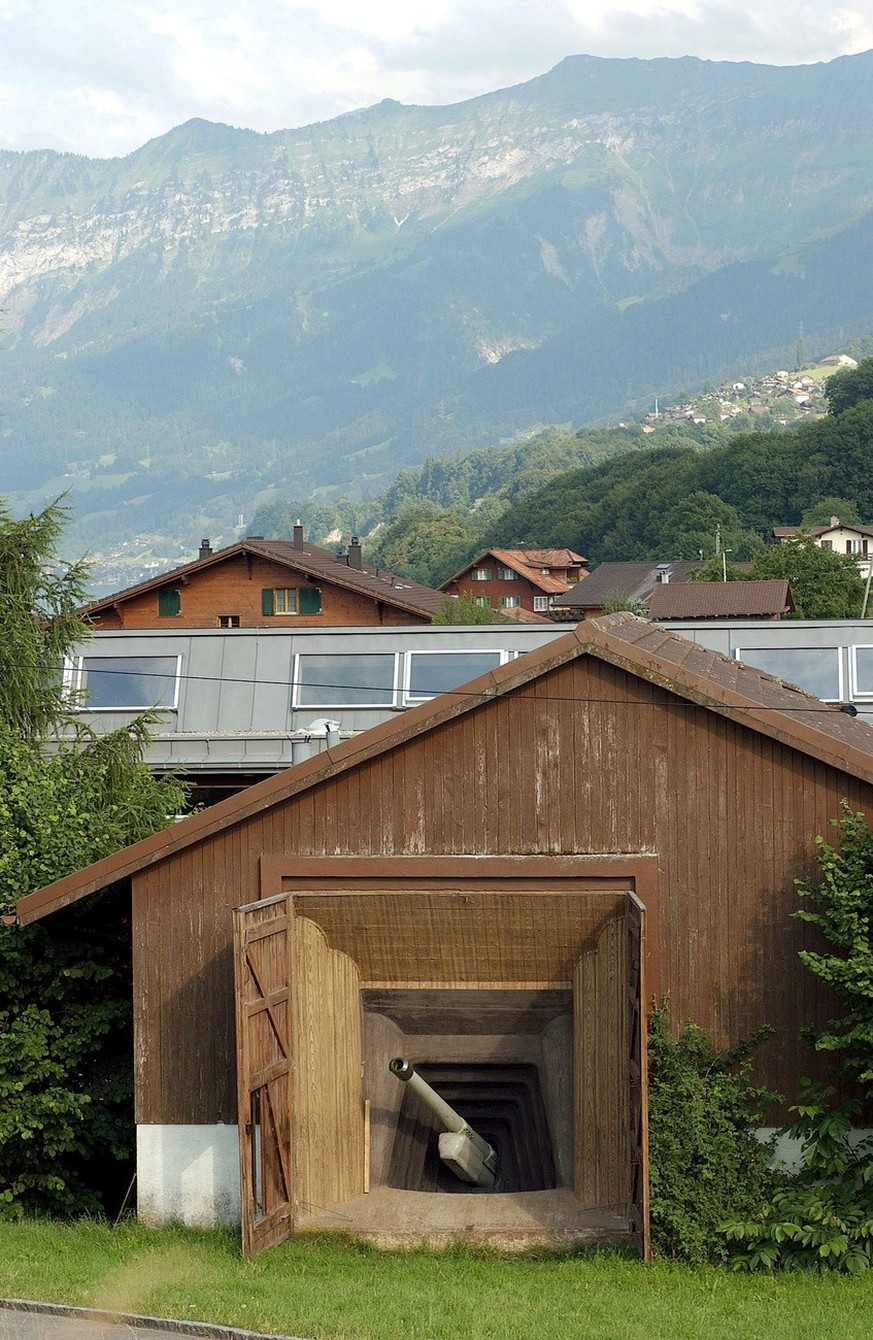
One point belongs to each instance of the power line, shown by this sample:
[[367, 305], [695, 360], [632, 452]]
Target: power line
[[394, 690]]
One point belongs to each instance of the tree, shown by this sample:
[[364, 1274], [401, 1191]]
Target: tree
[[463, 609], [846, 387], [822, 511], [824, 584], [39, 620], [425, 544], [65, 1047], [700, 523], [841, 905]]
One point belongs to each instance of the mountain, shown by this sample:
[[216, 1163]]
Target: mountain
[[223, 314]]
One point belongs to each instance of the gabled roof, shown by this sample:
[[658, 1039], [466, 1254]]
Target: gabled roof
[[529, 563], [693, 673], [626, 581], [311, 560], [815, 532], [720, 600]]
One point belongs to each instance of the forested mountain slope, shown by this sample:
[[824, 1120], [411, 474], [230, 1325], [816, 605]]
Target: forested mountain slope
[[666, 502], [222, 314]]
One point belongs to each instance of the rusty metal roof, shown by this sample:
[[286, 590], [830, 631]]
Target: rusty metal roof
[[691, 672], [720, 600]]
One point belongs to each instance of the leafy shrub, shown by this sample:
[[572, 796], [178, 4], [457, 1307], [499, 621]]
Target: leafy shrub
[[822, 1219], [706, 1164], [844, 914]]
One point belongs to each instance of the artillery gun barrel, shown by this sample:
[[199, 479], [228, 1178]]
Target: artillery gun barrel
[[460, 1147]]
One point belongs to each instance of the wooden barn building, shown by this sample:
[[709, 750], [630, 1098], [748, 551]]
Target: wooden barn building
[[493, 887]]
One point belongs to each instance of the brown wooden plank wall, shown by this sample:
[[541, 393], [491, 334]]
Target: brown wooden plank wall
[[586, 759], [328, 1138], [601, 1174]]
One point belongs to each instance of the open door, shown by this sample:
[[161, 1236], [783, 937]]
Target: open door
[[262, 969], [610, 1137], [635, 924]]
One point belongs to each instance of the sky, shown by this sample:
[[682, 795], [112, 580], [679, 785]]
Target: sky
[[101, 77]]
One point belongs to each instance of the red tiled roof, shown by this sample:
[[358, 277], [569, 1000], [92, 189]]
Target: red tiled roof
[[528, 563]]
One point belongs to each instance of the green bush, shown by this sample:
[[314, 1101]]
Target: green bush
[[706, 1164], [822, 1219]]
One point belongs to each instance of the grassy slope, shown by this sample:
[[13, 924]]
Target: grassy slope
[[325, 1288]]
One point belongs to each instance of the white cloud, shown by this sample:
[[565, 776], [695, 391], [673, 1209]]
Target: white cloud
[[103, 78]]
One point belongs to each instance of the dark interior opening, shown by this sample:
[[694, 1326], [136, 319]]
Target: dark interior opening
[[503, 1103]]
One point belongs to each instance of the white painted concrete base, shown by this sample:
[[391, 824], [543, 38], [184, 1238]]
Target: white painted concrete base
[[188, 1175], [787, 1151]]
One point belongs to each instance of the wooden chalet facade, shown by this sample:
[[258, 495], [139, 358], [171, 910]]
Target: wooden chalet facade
[[495, 886], [269, 584], [517, 582]]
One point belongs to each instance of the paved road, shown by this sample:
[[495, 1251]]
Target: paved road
[[53, 1323]]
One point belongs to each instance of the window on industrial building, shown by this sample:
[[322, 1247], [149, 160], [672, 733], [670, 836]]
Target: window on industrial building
[[127, 683], [169, 603], [291, 600], [432, 672], [862, 672], [480, 574], [228, 621], [541, 604], [815, 669], [350, 680], [510, 602], [507, 575]]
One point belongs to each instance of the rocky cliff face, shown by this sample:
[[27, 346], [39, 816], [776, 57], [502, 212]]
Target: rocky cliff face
[[316, 302]]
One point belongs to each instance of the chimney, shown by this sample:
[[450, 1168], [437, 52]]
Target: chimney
[[205, 549], [355, 553], [835, 520], [297, 535]]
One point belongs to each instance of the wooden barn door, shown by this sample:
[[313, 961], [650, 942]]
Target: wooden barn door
[[262, 967], [635, 924], [610, 1131]]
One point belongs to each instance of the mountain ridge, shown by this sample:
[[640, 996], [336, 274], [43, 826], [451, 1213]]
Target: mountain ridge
[[239, 310]]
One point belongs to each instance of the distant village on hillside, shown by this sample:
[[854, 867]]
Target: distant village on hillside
[[783, 396]]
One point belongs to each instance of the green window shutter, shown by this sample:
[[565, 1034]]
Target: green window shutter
[[169, 603], [267, 600], [310, 600]]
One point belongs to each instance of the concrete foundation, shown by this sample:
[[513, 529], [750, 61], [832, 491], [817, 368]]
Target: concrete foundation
[[188, 1175]]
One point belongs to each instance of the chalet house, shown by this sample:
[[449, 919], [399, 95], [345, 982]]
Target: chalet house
[[842, 538], [720, 600], [631, 582], [493, 886], [515, 580], [269, 584]]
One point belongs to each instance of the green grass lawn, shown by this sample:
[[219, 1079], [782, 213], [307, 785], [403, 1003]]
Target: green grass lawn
[[328, 1288]]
